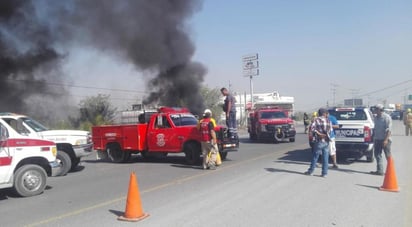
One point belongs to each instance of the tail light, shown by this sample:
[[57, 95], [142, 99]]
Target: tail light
[[367, 133]]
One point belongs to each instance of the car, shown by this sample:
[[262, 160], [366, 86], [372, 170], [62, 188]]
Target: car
[[396, 115]]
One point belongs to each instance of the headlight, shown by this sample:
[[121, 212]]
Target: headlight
[[292, 126], [54, 151], [81, 141]]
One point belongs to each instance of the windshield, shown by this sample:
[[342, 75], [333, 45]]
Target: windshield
[[36, 126], [183, 119], [272, 115], [355, 115]]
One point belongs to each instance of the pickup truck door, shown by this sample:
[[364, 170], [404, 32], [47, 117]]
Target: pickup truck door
[[5, 155], [161, 136]]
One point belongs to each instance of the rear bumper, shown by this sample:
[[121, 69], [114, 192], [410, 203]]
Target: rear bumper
[[354, 147], [83, 150], [229, 145], [55, 168]]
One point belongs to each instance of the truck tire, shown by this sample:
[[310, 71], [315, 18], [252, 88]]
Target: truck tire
[[66, 163], [116, 154], [192, 153], [279, 137], [29, 180], [292, 139], [75, 163], [223, 155]]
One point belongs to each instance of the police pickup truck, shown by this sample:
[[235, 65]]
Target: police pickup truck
[[355, 132]]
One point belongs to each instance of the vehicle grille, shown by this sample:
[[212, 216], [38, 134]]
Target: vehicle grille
[[274, 127]]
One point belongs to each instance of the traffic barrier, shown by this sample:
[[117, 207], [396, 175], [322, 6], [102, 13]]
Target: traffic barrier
[[134, 211], [390, 182]]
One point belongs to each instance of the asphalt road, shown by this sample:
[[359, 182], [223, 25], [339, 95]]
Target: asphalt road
[[261, 185]]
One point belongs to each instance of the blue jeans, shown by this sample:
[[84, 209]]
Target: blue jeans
[[231, 124], [320, 148], [378, 147]]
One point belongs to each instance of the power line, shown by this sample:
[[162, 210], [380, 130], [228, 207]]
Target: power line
[[78, 86]]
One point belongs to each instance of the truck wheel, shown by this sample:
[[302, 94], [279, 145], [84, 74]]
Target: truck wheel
[[29, 180], [192, 153], [223, 155], [117, 155], [75, 163], [292, 139], [66, 163], [279, 137]]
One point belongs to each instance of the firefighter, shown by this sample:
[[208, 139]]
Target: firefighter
[[208, 140], [306, 121]]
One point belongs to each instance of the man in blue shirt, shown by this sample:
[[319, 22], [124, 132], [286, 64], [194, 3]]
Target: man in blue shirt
[[332, 145]]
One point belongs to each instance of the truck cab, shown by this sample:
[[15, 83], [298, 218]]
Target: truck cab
[[25, 163], [71, 144], [271, 123]]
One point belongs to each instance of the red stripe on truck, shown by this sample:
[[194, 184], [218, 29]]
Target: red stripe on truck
[[23, 142]]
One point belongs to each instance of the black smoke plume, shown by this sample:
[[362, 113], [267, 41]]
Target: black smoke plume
[[152, 35], [26, 53]]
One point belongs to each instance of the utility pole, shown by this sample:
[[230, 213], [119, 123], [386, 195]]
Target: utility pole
[[251, 69], [334, 86]]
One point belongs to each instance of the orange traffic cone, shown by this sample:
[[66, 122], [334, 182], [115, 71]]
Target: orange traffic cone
[[134, 211], [390, 182]]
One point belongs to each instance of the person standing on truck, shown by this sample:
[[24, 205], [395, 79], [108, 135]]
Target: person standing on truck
[[332, 144], [208, 140], [306, 121], [407, 121], [320, 129], [381, 138], [229, 108]]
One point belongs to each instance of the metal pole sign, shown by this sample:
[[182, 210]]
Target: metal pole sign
[[250, 65], [250, 69]]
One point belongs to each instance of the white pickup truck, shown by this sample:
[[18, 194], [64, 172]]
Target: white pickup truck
[[25, 162], [355, 132], [71, 144]]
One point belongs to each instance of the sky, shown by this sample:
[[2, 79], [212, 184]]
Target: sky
[[318, 51]]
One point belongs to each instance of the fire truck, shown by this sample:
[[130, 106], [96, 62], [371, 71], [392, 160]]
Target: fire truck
[[25, 162], [271, 123], [170, 130]]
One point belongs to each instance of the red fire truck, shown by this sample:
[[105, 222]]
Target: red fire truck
[[271, 123], [170, 130]]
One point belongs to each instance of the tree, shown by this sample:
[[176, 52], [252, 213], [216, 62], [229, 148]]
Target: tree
[[211, 98], [94, 110]]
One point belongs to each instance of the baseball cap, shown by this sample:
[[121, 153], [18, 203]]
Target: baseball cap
[[379, 106], [322, 111]]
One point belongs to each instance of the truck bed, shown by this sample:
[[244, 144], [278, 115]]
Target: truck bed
[[130, 137]]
